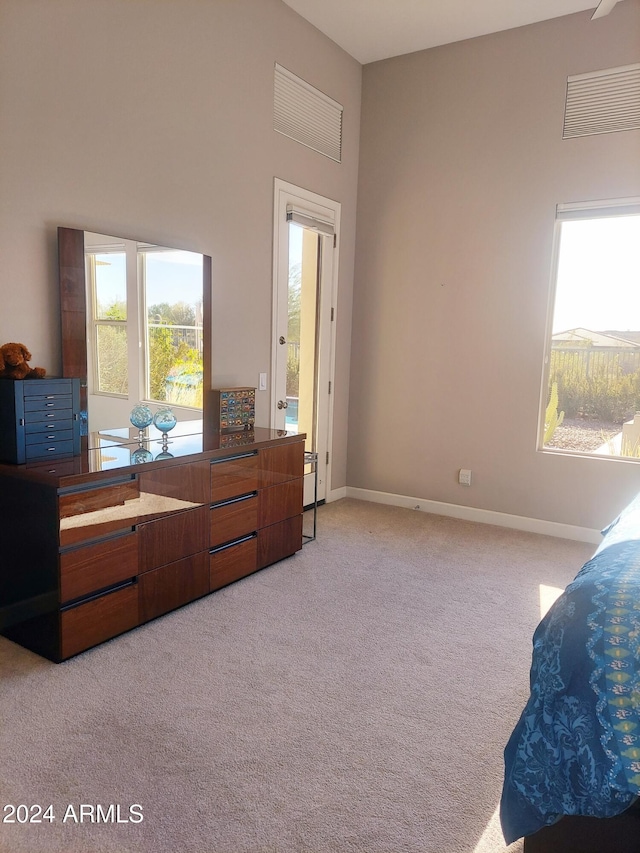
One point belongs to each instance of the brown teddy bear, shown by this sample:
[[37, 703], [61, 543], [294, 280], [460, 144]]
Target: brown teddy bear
[[13, 363]]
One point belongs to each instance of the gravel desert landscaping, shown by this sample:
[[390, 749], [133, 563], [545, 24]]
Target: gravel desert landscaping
[[582, 434]]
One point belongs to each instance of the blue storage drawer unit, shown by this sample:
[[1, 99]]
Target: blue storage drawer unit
[[39, 418]]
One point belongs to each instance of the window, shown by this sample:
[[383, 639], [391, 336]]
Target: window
[[146, 336], [108, 280], [592, 387], [173, 338]]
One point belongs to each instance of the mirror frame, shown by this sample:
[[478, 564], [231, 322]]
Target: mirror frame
[[73, 317]]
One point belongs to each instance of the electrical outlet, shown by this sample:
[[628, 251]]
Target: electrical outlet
[[464, 477]]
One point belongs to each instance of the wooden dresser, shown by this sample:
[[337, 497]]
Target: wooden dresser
[[98, 544]]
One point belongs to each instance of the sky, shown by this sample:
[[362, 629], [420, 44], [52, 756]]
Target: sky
[[598, 286], [295, 244], [172, 276]]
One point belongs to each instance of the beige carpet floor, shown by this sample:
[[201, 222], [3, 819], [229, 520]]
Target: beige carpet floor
[[356, 697]]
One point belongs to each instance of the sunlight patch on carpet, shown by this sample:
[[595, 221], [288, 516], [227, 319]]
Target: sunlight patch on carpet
[[548, 595], [492, 840]]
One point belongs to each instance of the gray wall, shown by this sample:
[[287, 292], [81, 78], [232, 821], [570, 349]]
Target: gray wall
[[153, 120], [461, 166]]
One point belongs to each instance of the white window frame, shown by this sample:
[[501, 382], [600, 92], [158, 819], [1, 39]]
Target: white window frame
[[136, 323], [118, 248], [572, 211]]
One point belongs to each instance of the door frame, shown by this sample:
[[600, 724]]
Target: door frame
[[327, 210]]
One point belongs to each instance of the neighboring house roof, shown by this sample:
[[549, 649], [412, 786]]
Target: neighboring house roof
[[584, 337], [629, 336]]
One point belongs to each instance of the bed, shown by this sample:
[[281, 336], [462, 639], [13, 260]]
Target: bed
[[572, 764]]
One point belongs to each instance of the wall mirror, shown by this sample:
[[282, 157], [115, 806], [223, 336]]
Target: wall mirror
[[136, 326]]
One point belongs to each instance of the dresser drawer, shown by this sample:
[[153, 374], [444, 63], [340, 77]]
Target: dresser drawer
[[95, 621], [280, 502], [48, 403], [279, 541], [187, 483], [234, 476], [279, 464], [44, 388], [230, 562], [168, 539], [60, 431], [49, 448], [168, 587], [234, 518], [95, 567], [44, 415], [89, 500], [90, 513], [35, 432]]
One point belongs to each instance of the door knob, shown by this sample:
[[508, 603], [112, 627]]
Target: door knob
[[282, 404], [282, 339]]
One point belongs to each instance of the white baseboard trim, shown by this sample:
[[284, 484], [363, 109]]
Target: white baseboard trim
[[336, 494], [483, 516]]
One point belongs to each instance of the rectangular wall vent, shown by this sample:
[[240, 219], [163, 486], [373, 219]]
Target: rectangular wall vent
[[306, 114], [603, 102]]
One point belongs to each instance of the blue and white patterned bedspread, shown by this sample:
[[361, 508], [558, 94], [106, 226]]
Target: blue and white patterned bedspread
[[576, 747]]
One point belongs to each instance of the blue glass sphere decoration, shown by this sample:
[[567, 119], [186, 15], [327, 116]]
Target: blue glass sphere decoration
[[141, 416], [164, 455], [164, 420], [140, 455]]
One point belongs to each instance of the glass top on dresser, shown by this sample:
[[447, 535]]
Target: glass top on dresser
[[118, 448]]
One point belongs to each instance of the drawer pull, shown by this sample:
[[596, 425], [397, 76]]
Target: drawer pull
[[237, 500], [50, 449], [88, 487], [49, 405], [233, 458], [106, 591], [78, 546], [239, 541]]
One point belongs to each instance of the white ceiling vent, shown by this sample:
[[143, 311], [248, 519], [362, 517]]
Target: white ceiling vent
[[306, 114], [603, 102]]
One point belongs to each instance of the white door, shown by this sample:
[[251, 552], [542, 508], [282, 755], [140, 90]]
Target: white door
[[305, 276]]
